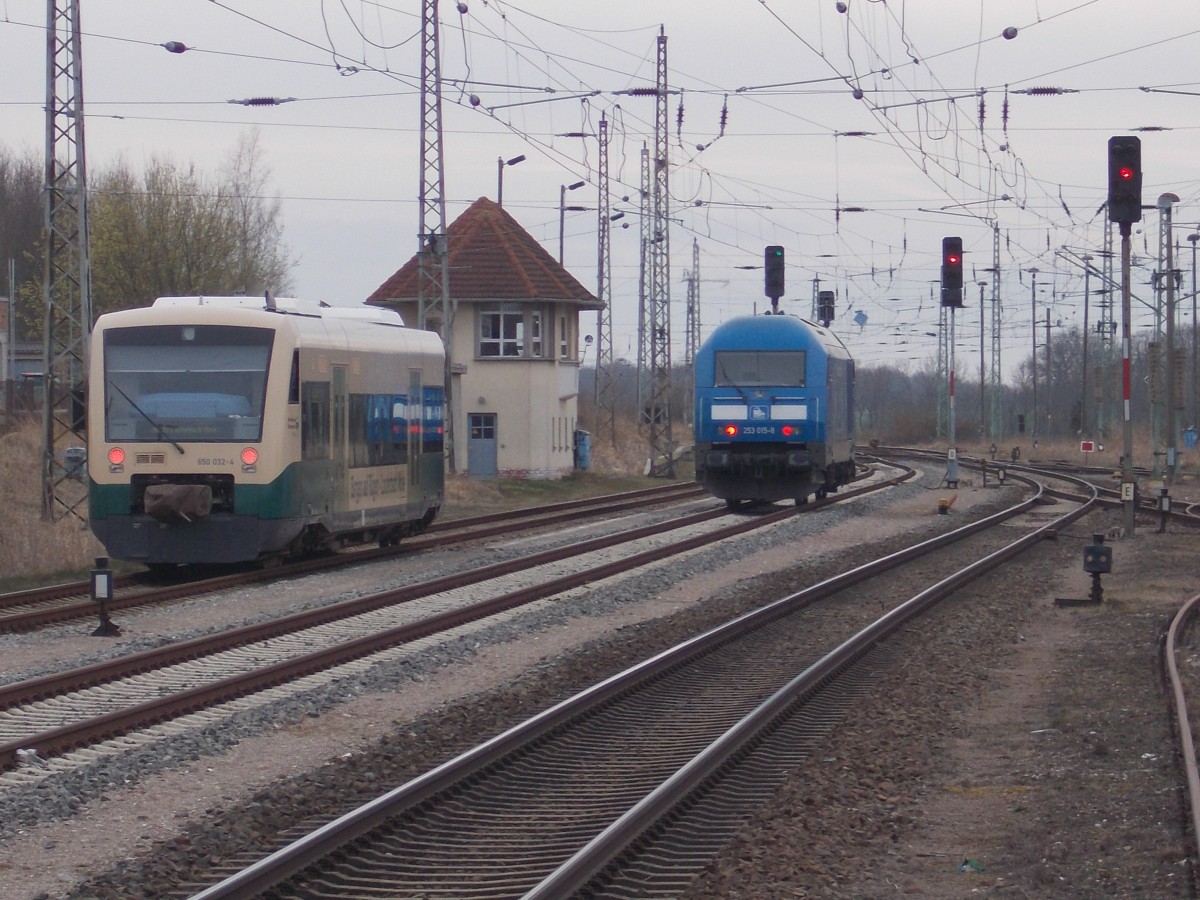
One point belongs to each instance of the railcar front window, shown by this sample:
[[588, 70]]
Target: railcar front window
[[185, 382], [759, 368]]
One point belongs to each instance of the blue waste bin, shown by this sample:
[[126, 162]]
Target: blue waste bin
[[583, 450], [1189, 438]]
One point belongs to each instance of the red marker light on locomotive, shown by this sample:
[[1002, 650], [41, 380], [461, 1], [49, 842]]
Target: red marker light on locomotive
[[249, 456], [116, 456], [730, 430], [788, 431]]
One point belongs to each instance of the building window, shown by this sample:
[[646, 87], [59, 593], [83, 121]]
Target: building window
[[564, 338], [512, 330], [535, 333]]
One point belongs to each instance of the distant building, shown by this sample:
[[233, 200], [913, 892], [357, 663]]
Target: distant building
[[515, 358]]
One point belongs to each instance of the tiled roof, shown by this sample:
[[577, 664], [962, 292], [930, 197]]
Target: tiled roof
[[491, 257]]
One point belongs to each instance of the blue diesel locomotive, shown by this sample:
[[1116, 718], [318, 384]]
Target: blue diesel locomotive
[[774, 416]]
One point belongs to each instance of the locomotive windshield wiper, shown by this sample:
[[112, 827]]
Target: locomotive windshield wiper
[[161, 432], [733, 384]]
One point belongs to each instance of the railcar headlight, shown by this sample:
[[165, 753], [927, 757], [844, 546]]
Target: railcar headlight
[[116, 459], [249, 459]]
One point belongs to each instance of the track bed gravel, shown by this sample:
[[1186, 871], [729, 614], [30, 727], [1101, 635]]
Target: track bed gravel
[[1034, 748]]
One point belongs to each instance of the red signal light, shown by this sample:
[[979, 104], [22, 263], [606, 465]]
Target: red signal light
[[730, 430], [1125, 173], [953, 259]]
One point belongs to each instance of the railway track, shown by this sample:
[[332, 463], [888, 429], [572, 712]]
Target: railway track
[[71, 716], [28, 610], [620, 790], [1183, 685], [1098, 478]]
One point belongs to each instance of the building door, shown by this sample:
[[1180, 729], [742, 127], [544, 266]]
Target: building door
[[481, 445]]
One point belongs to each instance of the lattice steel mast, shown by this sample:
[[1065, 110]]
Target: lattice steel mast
[[606, 414], [644, 231], [435, 309], [662, 463], [67, 325]]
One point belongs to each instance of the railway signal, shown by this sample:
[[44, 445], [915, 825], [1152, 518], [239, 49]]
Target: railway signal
[[952, 271], [1124, 179], [773, 266]]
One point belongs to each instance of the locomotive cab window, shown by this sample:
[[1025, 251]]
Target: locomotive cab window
[[759, 368], [186, 382]]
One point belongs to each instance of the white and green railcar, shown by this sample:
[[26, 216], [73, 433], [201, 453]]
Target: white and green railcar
[[231, 429]]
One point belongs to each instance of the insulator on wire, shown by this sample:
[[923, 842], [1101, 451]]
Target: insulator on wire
[[262, 101]]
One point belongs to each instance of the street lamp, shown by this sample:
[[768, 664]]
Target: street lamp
[[982, 286], [1087, 300], [1033, 324], [501, 162], [1192, 238], [562, 210]]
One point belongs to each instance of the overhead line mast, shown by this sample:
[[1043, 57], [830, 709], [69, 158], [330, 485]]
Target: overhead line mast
[[606, 413], [435, 309], [662, 462], [67, 302]]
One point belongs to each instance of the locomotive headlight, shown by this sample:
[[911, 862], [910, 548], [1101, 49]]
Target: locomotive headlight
[[249, 459], [730, 430]]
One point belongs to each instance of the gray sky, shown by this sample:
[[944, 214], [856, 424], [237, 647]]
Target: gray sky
[[859, 189]]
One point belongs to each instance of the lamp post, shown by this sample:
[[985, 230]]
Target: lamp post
[[1033, 302], [501, 162], [1087, 271], [562, 211], [1165, 204], [982, 285], [1192, 238]]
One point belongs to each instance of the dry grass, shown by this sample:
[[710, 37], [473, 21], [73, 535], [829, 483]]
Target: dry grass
[[33, 549]]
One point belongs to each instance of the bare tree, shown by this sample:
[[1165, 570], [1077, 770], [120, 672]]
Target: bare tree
[[171, 230], [22, 212]]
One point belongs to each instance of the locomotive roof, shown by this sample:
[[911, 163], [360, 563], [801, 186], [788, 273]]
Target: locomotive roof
[[292, 305], [312, 323], [776, 332]]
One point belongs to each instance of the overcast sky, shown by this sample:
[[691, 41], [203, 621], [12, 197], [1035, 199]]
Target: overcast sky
[[855, 139]]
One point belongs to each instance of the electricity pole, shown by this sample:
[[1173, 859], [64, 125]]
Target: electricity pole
[[662, 461], [435, 309], [67, 327]]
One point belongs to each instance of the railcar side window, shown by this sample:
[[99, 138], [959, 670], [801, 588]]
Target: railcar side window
[[759, 368], [314, 420], [185, 382]]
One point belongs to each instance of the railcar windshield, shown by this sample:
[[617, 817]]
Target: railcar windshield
[[759, 368], [185, 382]]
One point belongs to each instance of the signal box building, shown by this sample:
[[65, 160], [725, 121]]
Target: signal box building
[[514, 355]]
